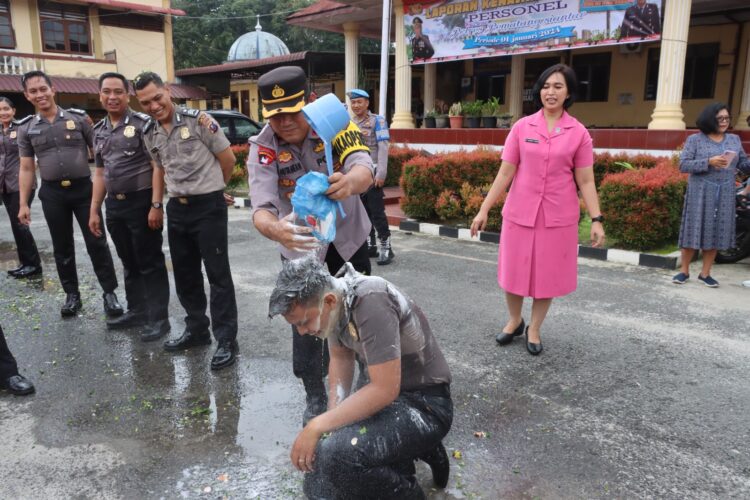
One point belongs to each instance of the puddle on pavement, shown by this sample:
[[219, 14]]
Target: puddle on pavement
[[270, 418]]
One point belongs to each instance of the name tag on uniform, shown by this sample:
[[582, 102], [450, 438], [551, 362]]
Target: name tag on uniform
[[533, 141]]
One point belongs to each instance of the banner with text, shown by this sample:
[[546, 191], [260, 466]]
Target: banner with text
[[443, 30]]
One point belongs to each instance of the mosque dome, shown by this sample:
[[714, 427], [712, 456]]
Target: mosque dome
[[256, 45]]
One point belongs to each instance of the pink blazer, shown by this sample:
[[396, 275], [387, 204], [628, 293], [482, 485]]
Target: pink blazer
[[544, 173]]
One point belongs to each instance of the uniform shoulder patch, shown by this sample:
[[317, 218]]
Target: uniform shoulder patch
[[348, 141], [381, 129], [266, 156], [207, 121], [23, 120], [77, 111], [190, 112]]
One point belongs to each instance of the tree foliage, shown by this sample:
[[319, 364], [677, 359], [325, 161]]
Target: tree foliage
[[204, 36]]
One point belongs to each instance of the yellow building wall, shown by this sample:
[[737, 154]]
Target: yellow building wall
[[77, 69], [136, 50], [22, 21], [628, 79]]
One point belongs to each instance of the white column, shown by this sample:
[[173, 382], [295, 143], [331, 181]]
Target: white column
[[402, 118], [515, 100], [351, 57], [430, 77], [741, 123], [668, 113]]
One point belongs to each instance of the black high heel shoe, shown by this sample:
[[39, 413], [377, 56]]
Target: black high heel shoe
[[503, 338], [534, 349]]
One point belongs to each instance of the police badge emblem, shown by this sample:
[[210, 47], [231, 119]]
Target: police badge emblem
[[13, 134], [285, 156], [184, 133], [129, 131], [70, 125]]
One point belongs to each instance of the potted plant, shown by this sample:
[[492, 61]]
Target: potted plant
[[441, 120], [456, 115], [503, 120], [490, 110], [473, 113], [429, 118]]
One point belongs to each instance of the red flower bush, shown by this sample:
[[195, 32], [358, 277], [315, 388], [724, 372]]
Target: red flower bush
[[239, 173], [397, 156], [607, 163], [643, 207]]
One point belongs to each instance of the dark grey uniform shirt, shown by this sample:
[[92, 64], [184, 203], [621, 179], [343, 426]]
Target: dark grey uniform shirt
[[381, 323], [9, 160], [121, 152], [273, 167], [61, 147], [188, 153]]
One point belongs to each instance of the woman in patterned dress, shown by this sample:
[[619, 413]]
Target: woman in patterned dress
[[711, 157]]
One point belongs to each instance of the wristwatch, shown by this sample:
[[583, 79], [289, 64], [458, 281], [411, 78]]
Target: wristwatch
[[157, 205], [598, 218]]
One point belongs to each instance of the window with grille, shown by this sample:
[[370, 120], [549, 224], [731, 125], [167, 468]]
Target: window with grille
[[7, 37], [65, 28], [120, 19]]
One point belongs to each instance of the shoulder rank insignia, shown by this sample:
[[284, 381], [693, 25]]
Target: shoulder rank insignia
[[23, 120], [190, 112], [353, 330], [142, 116], [149, 125], [266, 156], [285, 156], [77, 111]]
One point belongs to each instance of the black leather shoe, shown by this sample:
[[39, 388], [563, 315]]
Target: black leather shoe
[[156, 330], [503, 338], [188, 340], [128, 320], [438, 461], [72, 305], [225, 355], [19, 385], [112, 306], [534, 349], [27, 272], [12, 272]]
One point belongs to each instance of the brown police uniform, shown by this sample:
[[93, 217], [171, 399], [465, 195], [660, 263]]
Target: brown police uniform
[[196, 218], [121, 151], [10, 162], [61, 150], [273, 168]]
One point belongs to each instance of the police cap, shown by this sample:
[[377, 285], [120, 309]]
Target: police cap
[[282, 90]]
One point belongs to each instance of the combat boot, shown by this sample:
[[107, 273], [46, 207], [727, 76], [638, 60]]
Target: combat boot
[[386, 254], [372, 246]]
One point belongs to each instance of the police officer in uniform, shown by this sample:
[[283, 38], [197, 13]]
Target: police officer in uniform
[[197, 161], [641, 19], [28, 255], [375, 133], [421, 47], [283, 151], [126, 174], [60, 139]]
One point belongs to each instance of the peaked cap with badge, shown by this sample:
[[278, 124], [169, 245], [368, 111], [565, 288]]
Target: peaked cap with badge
[[282, 90]]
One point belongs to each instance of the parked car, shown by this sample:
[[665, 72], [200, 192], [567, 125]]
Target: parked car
[[237, 127]]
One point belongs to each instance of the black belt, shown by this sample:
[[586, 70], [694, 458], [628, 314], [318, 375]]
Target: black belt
[[132, 195], [66, 183], [196, 198], [443, 390]]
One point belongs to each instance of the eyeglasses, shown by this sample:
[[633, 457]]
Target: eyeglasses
[[723, 118]]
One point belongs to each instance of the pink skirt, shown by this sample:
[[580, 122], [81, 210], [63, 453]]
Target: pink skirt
[[539, 262]]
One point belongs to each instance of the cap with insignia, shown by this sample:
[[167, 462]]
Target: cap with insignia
[[282, 90], [355, 93]]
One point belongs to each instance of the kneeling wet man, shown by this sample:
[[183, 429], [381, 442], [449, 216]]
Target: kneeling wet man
[[365, 445]]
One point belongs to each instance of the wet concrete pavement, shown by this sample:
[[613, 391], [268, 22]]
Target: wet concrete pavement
[[641, 391]]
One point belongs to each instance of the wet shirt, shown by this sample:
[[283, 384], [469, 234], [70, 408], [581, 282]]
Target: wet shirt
[[375, 133], [274, 166], [544, 169], [385, 324], [188, 153], [9, 160], [61, 147], [121, 152]]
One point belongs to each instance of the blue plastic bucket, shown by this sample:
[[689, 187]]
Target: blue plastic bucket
[[327, 116]]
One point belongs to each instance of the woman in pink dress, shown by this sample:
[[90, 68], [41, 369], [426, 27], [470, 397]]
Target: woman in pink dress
[[546, 155]]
